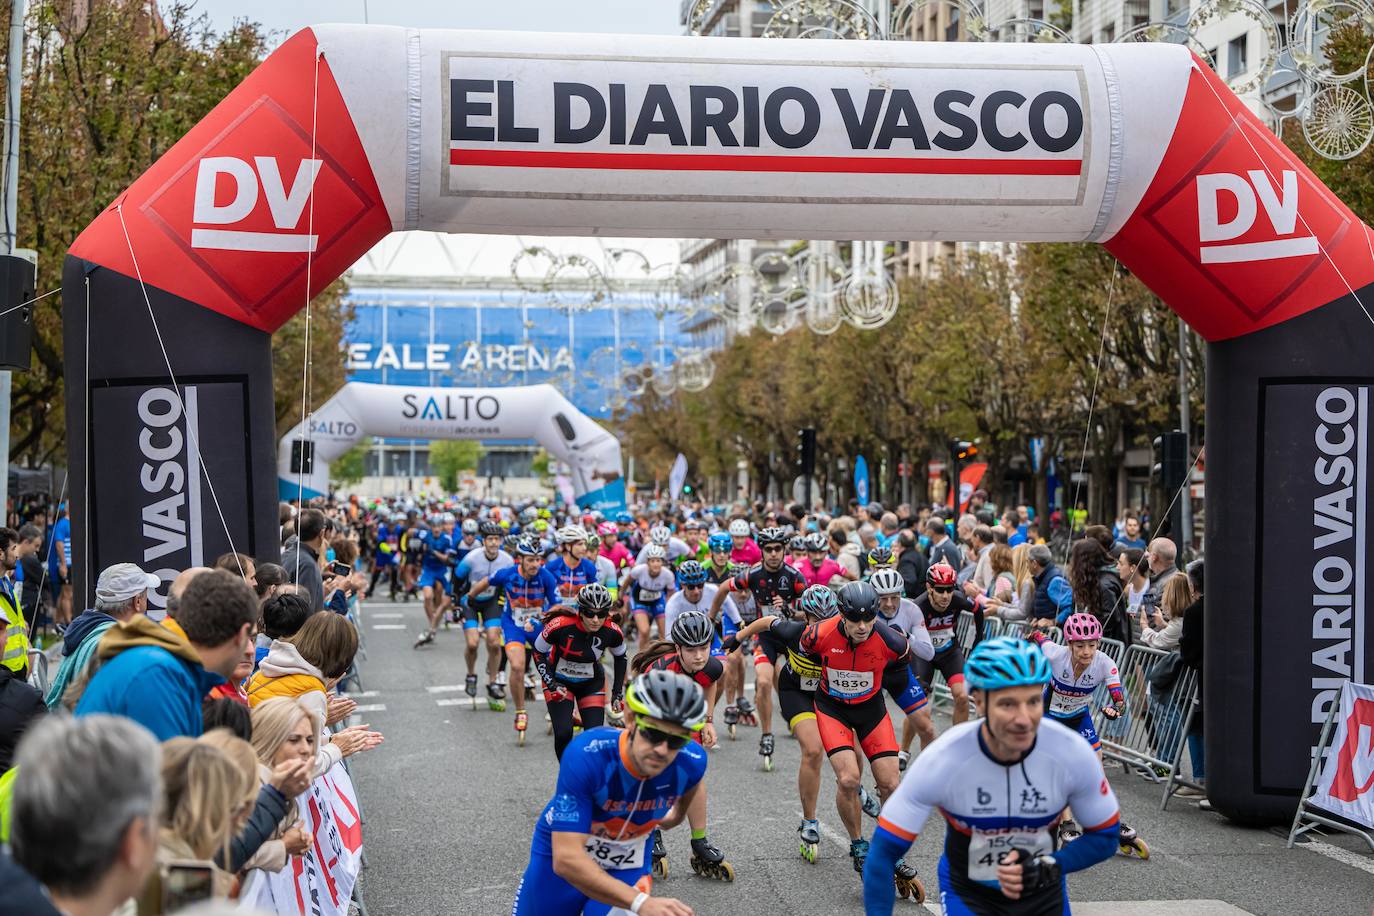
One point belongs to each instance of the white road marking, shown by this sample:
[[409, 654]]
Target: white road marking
[[1133, 907], [445, 688], [370, 707], [363, 695], [387, 615], [1344, 856], [452, 701], [388, 626]]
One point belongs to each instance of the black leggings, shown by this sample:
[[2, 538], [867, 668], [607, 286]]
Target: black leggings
[[377, 573], [590, 698]]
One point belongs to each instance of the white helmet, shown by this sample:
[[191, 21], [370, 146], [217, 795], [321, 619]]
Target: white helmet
[[655, 552], [887, 581], [570, 534], [739, 528], [659, 534]]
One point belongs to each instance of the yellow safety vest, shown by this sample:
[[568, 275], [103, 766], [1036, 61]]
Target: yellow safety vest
[[16, 657], [6, 798]]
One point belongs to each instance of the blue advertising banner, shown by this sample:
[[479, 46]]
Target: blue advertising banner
[[861, 479]]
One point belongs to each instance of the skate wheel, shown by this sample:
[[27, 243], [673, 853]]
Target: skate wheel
[[520, 736], [549, 729], [661, 869], [726, 871], [696, 866], [768, 764], [1136, 849], [808, 852], [732, 733]]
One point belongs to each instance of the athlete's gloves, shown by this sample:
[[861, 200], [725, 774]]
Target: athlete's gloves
[[557, 694], [729, 644], [1111, 712], [1037, 873]]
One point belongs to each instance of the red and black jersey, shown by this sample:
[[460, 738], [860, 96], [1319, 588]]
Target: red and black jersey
[[705, 677], [942, 624], [565, 652], [763, 586], [852, 673]]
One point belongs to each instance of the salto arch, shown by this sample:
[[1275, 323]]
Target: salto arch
[[349, 132], [361, 409]]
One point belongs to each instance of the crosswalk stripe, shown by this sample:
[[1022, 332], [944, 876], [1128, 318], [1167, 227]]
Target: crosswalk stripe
[[371, 707], [445, 688], [386, 616], [362, 695], [388, 626], [1131, 907], [452, 701]]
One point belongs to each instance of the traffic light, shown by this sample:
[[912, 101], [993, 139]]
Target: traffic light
[[806, 451], [1171, 465], [302, 456], [964, 450]]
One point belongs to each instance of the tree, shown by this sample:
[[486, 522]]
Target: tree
[[447, 457], [349, 468], [329, 317], [541, 465]]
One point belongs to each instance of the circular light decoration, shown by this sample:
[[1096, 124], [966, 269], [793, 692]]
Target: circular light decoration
[[631, 354], [823, 19], [632, 381], [824, 275], [869, 300], [1337, 122], [1168, 33], [1293, 102], [910, 13], [578, 284], [1210, 12], [1028, 30], [671, 282], [472, 375], [824, 316], [600, 365], [777, 315], [664, 381], [732, 289], [533, 268], [1312, 25], [695, 370]]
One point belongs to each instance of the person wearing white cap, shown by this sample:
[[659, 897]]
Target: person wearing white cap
[[120, 593]]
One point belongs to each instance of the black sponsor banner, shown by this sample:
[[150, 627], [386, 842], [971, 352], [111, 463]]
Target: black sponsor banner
[[176, 452], [1314, 561], [155, 450]]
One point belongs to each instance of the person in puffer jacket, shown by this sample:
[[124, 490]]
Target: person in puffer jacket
[[308, 665]]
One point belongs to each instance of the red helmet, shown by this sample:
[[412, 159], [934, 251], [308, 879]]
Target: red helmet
[[941, 575]]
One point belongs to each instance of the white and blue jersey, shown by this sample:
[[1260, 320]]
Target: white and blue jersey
[[570, 579], [1068, 698], [991, 807], [648, 593], [600, 795], [730, 622], [477, 566], [526, 602]]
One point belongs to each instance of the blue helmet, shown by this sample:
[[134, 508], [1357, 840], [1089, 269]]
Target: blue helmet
[[1006, 662], [691, 573], [528, 547], [819, 601], [624, 518], [720, 542]]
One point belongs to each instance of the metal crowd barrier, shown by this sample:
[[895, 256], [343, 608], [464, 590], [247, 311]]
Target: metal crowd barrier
[[38, 670], [1152, 735], [963, 635]]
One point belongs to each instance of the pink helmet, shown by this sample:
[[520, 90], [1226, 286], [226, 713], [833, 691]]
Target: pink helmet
[[607, 529], [1082, 627]]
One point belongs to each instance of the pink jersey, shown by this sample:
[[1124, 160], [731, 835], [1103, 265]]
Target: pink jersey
[[747, 555], [619, 555], [821, 575]]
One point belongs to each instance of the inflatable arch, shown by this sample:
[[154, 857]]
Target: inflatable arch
[[538, 412], [346, 133]]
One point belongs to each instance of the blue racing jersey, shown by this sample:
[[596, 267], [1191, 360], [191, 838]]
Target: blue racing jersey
[[599, 793], [436, 542], [571, 579], [526, 599]]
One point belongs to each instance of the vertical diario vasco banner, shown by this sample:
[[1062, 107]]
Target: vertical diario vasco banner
[[1141, 147]]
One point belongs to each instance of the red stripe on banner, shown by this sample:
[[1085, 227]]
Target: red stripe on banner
[[325, 868], [711, 162]]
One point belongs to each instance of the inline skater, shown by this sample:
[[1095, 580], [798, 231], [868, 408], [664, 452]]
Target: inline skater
[[743, 550], [412, 546], [458, 586], [630, 535], [674, 549], [798, 677], [817, 566], [529, 591], [905, 617], [643, 589], [612, 550], [589, 854], [605, 569], [567, 655], [718, 565], [720, 570], [941, 607], [1077, 671], [1001, 783], [571, 568], [694, 536], [483, 612], [879, 557], [689, 652], [854, 650], [773, 585], [434, 585], [384, 560]]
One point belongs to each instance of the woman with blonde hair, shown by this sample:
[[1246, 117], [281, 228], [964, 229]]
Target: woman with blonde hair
[[206, 796], [1164, 629], [284, 730], [1016, 605]]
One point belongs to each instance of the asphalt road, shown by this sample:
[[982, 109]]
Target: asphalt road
[[449, 803]]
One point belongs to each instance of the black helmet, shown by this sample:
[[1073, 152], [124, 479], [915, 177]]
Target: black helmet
[[693, 628], [594, 597], [669, 697], [491, 529], [771, 536], [509, 541], [880, 556], [858, 601]]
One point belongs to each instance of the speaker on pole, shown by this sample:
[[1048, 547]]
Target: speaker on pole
[[17, 278]]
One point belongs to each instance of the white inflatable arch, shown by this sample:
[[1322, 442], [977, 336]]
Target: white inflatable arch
[[540, 412]]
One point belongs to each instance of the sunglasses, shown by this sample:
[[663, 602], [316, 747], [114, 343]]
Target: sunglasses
[[596, 614], [863, 617], [656, 736], [944, 590]]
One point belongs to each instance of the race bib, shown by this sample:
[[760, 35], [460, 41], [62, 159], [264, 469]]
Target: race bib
[[985, 850], [523, 615], [941, 638], [576, 671], [646, 595], [614, 855], [809, 684], [848, 685], [1063, 704]]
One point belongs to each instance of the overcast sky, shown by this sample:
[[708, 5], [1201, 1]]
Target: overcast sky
[[286, 16]]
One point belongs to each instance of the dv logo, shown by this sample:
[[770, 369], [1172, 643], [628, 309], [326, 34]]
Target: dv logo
[[1355, 760], [1245, 195], [285, 206]]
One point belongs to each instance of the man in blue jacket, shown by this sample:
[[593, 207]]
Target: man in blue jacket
[[152, 675]]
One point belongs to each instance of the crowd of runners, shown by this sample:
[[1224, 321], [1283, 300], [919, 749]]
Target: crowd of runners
[[838, 618]]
